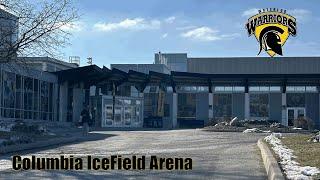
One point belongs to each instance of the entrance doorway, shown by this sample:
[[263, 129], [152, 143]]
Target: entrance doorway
[[294, 113]]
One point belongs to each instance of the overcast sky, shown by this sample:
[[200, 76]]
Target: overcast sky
[[128, 31]]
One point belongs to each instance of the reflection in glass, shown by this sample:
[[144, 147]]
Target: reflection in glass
[[295, 99], [187, 105], [222, 105], [259, 105]]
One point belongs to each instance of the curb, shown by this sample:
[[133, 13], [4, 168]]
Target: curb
[[40, 144], [270, 163]]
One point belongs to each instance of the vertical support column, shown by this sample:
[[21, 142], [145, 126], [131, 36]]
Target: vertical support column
[[63, 101], [113, 99], [55, 101], [174, 109], [246, 106], [78, 101], [210, 117], [141, 95], [284, 120]]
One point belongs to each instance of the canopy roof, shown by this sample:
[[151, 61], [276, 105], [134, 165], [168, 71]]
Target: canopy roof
[[94, 75]]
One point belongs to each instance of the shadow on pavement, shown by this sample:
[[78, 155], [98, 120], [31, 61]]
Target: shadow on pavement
[[93, 136]]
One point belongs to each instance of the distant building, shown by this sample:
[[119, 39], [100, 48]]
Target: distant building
[[174, 61], [144, 68], [46, 63], [8, 35]]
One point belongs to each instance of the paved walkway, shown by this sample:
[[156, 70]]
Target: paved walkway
[[215, 155]]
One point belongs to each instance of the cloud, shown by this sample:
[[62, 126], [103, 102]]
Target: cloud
[[165, 35], [73, 27], [207, 34], [170, 19], [185, 28], [230, 36], [300, 14], [250, 12], [129, 24]]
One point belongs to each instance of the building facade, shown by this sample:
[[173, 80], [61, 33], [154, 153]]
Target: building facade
[[153, 95], [250, 88], [27, 94]]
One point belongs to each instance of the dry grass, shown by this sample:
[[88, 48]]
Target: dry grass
[[308, 153]]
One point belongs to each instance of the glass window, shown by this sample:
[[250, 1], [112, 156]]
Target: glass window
[[219, 88], [36, 99], [150, 104], [296, 88], [137, 115], [254, 88], [222, 105], [238, 89], [166, 110], [192, 88], [187, 105], [228, 88], [124, 90], [28, 97], [311, 89], [300, 88], [264, 88], [9, 94], [117, 114], [50, 97], [296, 100], [290, 88], [259, 105], [44, 99], [153, 89], [9, 89], [275, 88]]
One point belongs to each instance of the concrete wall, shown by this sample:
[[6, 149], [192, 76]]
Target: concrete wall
[[238, 107], [255, 65], [78, 100], [167, 121], [275, 107], [55, 100], [63, 100]]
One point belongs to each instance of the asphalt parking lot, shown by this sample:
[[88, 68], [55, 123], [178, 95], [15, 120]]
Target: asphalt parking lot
[[214, 155]]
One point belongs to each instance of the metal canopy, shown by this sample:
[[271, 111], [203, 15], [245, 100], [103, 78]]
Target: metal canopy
[[94, 75], [86, 74]]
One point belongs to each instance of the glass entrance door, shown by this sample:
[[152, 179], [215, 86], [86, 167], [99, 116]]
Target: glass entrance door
[[294, 113]]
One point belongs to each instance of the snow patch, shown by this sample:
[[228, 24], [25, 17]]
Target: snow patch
[[255, 130], [5, 129], [291, 168]]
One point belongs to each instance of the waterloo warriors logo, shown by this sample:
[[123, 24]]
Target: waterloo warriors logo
[[272, 28]]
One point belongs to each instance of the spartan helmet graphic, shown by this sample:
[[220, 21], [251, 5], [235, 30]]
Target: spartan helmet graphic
[[270, 40]]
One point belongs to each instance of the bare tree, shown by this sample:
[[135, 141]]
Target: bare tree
[[34, 28]]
